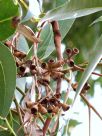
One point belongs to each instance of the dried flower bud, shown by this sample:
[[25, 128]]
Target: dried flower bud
[[55, 109], [44, 65], [68, 52], [85, 88], [19, 54], [64, 106], [74, 86], [34, 109], [71, 63], [51, 61], [22, 69], [56, 75], [75, 51], [42, 109], [46, 78], [32, 67], [45, 101], [50, 109], [29, 104]]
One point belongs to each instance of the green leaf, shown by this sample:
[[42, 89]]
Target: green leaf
[[22, 44], [5, 133], [8, 10], [2, 87], [46, 35], [73, 9], [95, 58], [9, 70], [96, 21]]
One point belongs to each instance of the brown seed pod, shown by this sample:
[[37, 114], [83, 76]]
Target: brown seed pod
[[44, 65], [46, 78], [42, 109], [75, 51], [34, 109], [71, 62], [29, 104], [74, 86], [19, 54], [56, 75], [55, 109], [50, 109], [64, 106], [85, 88], [68, 52]]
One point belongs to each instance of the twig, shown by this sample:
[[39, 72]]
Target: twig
[[46, 125], [3, 128], [57, 41], [19, 113], [90, 105], [89, 111], [20, 91]]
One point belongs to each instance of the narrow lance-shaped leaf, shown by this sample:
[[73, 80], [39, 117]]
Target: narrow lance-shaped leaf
[[2, 88], [97, 55], [9, 72], [74, 9]]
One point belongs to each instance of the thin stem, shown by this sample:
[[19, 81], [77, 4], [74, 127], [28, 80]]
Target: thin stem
[[10, 128], [57, 41], [89, 111], [46, 125], [20, 91], [90, 105], [3, 128], [19, 113]]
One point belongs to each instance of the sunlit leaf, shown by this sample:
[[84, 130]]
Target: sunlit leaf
[[33, 10], [9, 68], [73, 9], [95, 58], [8, 10]]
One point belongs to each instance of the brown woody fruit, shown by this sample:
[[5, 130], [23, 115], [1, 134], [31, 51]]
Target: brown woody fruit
[[56, 75], [68, 52], [44, 65], [19, 54], [75, 51], [46, 78], [64, 106], [74, 86], [42, 109], [29, 104], [50, 109], [34, 109], [71, 63], [85, 88]]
